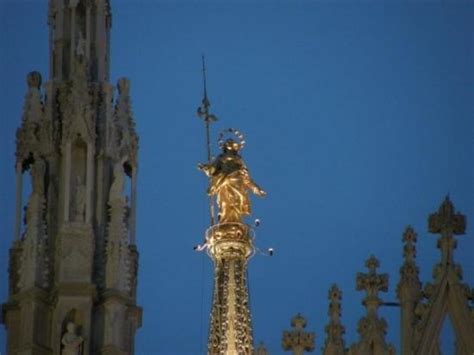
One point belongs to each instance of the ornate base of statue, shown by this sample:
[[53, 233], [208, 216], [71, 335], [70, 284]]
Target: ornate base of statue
[[230, 245]]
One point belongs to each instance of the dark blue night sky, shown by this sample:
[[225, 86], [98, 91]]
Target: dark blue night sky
[[359, 120]]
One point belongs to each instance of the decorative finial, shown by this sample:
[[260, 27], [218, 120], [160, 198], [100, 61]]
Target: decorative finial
[[409, 238], [297, 340], [409, 285], [447, 223], [372, 283]]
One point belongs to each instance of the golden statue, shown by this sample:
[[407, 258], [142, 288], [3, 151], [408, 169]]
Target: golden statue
[[230, 182]]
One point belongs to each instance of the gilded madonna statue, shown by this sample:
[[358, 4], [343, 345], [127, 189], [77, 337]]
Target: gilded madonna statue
[[229, 181]]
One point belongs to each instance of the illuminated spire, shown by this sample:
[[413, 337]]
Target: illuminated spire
[[229, 241]]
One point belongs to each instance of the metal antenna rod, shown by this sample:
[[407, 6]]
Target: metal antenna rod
[[203, 112], [206, 104], [204, 76]]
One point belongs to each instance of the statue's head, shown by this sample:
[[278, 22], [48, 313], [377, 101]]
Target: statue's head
[[71, 327], [231, 146]]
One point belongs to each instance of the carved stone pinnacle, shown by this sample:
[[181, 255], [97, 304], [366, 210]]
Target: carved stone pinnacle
[[445, 221], [297, 340]]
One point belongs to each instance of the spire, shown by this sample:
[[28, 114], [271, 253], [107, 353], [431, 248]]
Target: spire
[[298, 340], [229, 243], [371, 328], [446, 294], [408, 290], [74, 269], [79, 28], [409, 271], [334, 344]]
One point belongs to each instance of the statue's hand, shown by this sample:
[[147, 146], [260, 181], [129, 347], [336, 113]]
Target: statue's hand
[[259, 192]]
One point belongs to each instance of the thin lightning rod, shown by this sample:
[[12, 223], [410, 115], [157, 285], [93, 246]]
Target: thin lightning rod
[[203, 111], [206, 104], [204, 77]]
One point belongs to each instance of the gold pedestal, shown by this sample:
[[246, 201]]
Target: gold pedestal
[[230, 245]]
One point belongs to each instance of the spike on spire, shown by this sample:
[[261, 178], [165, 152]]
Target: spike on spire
[[409, 285], [208, 118], [334, 344]]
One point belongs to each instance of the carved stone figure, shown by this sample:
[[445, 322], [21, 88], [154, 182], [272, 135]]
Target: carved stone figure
[[37, 172], [80, 199], [81, 45], [72, 343], [229, 181], [116, 190]]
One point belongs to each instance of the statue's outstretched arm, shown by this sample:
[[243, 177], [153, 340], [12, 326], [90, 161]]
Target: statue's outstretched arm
[[208, 169], [251, 185]]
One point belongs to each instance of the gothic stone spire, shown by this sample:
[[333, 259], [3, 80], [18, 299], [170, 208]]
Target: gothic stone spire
[[446, 294], [334, 344], [372, 329], [76, 261], [408, 289]]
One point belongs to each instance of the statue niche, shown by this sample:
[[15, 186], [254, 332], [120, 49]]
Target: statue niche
[[78, 190]]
